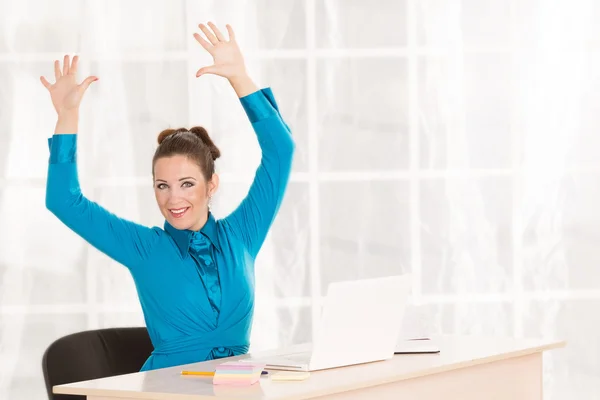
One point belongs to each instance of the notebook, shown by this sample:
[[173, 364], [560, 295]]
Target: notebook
[[416, 346]]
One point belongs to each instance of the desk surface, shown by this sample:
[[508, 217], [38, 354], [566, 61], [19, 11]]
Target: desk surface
[[167, 383]]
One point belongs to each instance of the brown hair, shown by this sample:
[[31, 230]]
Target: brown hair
[[194, 144]]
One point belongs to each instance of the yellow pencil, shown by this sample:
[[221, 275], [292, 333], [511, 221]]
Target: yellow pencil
[[199, 373]]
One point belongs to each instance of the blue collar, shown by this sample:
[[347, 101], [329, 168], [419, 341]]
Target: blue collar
[[182, 237]]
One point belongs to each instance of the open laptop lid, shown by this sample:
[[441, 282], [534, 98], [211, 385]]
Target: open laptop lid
[[361, 321]]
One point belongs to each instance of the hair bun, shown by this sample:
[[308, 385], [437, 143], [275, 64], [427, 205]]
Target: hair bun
[[195, 144], [201, 133], [166, 133]]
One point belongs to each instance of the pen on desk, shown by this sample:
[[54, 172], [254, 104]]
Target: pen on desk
[[208, 373], [199, 373]]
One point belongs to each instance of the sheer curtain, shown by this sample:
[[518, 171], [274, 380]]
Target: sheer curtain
[[456, 140]]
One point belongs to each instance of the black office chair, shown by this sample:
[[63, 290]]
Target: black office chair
[[92, 355]]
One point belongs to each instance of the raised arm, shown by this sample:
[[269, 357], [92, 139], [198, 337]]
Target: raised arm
[[255, 214], [252, 219], [126, 242]]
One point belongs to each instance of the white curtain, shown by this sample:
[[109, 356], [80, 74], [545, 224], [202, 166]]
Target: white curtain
[[456, 140]]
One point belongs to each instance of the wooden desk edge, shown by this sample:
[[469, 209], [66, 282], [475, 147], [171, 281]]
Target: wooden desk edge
[[67, 389], [125, 394]]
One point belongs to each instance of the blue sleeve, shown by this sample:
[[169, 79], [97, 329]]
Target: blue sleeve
[[252, 219], [124, 241]]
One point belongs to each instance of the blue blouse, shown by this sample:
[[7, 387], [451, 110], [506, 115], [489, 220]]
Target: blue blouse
[[196, 289]]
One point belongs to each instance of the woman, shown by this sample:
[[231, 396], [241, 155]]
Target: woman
[[195, 277]]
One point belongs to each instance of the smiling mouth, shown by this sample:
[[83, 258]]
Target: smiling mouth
[[178, 212]]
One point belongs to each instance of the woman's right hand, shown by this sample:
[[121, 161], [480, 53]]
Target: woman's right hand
[[65, 93]]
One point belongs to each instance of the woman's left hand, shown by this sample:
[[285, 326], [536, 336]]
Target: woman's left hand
[[226, 54]]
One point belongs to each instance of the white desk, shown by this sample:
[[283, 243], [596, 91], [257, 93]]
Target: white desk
[[467, 368]]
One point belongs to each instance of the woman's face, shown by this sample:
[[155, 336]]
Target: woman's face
[[182, 192]]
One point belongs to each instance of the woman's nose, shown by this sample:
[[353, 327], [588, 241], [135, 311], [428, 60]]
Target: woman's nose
[[174, 196]]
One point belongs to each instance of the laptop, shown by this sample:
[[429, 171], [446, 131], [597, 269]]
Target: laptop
[[360, 323]]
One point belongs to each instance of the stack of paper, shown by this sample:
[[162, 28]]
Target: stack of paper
[[237, 373]]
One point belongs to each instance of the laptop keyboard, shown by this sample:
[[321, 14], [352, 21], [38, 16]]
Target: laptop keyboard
[[298, 357]]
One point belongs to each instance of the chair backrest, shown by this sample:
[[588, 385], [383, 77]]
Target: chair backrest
[[94, 354]]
